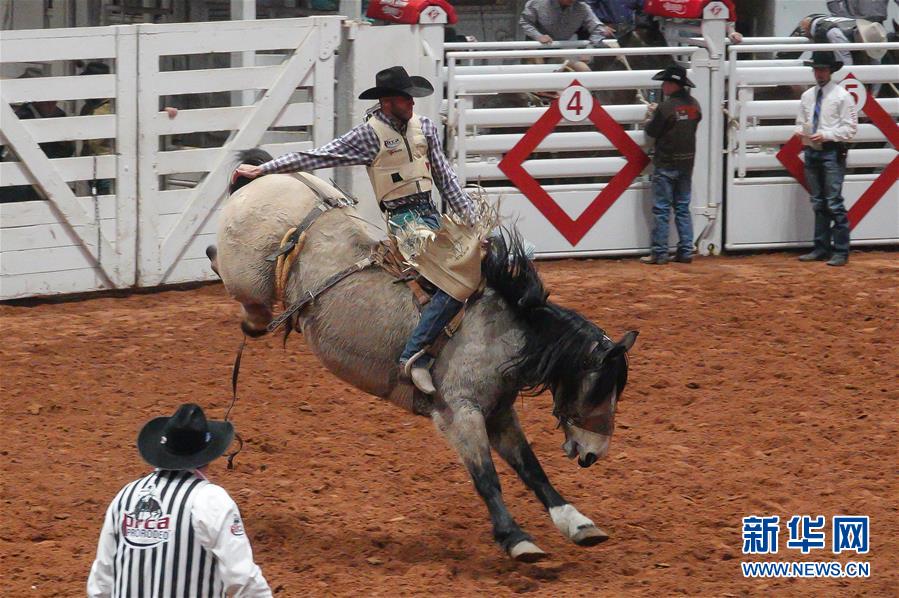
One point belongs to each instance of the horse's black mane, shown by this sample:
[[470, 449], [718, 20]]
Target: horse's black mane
[[256, 157], [558, 341]]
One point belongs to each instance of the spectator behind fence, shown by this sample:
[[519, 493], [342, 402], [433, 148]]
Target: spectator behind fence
[[673, 126], [824, 29], [827, 119], [618, 14], [98, 147], [53, 149], [561, 20], [870, 10]]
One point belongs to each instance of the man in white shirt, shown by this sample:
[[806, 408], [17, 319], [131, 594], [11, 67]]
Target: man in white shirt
[[173, 532], [827, 120]]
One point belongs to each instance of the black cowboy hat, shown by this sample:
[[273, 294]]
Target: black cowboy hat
[[395, 81], [184, 441], [675, 73], [824, 60]]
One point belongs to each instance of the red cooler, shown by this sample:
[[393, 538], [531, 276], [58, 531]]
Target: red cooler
[[683, 9], [411, 12]]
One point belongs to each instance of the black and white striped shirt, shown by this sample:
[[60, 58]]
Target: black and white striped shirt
[[174, 534]]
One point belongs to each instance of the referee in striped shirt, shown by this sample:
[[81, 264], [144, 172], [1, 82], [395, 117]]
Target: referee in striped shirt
[[173, 532]]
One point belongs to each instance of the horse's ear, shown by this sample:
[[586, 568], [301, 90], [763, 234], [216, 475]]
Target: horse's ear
[[628, 340], [622, 346]]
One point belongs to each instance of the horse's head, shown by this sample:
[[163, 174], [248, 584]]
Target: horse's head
[[585, 401]]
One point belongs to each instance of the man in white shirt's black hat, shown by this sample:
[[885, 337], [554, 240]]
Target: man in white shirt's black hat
[[173, 532], [827, 120]]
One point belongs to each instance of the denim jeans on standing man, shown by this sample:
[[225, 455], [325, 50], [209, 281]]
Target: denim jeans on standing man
[[824, 173], [441, 309], [671, 189]]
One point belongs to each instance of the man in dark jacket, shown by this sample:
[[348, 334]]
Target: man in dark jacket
[[673, 126]]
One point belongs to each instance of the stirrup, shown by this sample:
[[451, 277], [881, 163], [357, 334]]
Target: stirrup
[[407, 367]]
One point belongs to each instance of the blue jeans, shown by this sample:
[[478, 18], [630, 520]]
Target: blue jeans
[[824, 172], [671, 189], [441, 309]]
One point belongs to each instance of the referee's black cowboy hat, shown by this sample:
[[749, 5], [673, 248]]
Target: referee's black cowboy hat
[[675, 73], [395, 81], [824, 60], [186, 440]]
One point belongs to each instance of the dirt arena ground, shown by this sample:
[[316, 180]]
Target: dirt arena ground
[[758, 385]]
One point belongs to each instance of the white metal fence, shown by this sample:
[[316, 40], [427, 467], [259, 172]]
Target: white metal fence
[[738, 142], [154, 228], [69, 243]]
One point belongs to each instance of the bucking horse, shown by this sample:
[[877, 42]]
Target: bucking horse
[[512, 340]]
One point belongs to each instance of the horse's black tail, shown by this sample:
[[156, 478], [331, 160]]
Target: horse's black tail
[[511, 274], [255, 156]]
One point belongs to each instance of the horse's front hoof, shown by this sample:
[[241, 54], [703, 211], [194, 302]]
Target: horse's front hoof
[[527, 552], [589, 536]]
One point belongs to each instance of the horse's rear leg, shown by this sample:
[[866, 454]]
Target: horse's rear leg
[[508, 439], [465, 430]]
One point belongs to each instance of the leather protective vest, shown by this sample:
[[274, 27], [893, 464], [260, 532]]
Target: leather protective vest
[[824, 24], [401, 167]]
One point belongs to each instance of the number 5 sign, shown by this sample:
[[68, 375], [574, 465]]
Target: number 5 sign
[[857, 90]]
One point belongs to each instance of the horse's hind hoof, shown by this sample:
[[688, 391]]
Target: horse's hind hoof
[[589, 536], [527, 552]]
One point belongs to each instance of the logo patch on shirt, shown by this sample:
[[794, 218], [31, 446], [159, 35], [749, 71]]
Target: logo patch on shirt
[[146, 526], [392, 144], [237, 526], [686, 113]]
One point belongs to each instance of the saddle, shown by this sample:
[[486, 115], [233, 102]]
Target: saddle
[[389, 258], [386, 255]]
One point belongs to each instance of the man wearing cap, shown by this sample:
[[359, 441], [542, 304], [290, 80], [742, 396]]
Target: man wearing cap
[[405, 159], [173, 532], [827, 119], [673, 126]]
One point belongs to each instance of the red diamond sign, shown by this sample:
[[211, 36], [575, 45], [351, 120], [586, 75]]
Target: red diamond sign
[[512, 165], [789, 154]]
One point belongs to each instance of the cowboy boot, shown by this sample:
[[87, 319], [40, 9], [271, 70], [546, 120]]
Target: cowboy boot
[[420, 375]]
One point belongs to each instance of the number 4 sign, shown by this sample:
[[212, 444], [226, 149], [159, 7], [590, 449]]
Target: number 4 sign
[[575, 103]]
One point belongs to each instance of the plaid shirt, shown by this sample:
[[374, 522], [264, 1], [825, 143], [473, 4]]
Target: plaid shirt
[[360, 146]]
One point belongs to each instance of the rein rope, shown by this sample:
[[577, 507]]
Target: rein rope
[[235, 372]]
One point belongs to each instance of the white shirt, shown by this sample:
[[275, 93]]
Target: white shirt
[[217, 527], [838, 119]]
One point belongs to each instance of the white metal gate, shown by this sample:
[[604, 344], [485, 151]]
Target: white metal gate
[[766, 207], [177, 224], [69, 243], [478, 142]]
